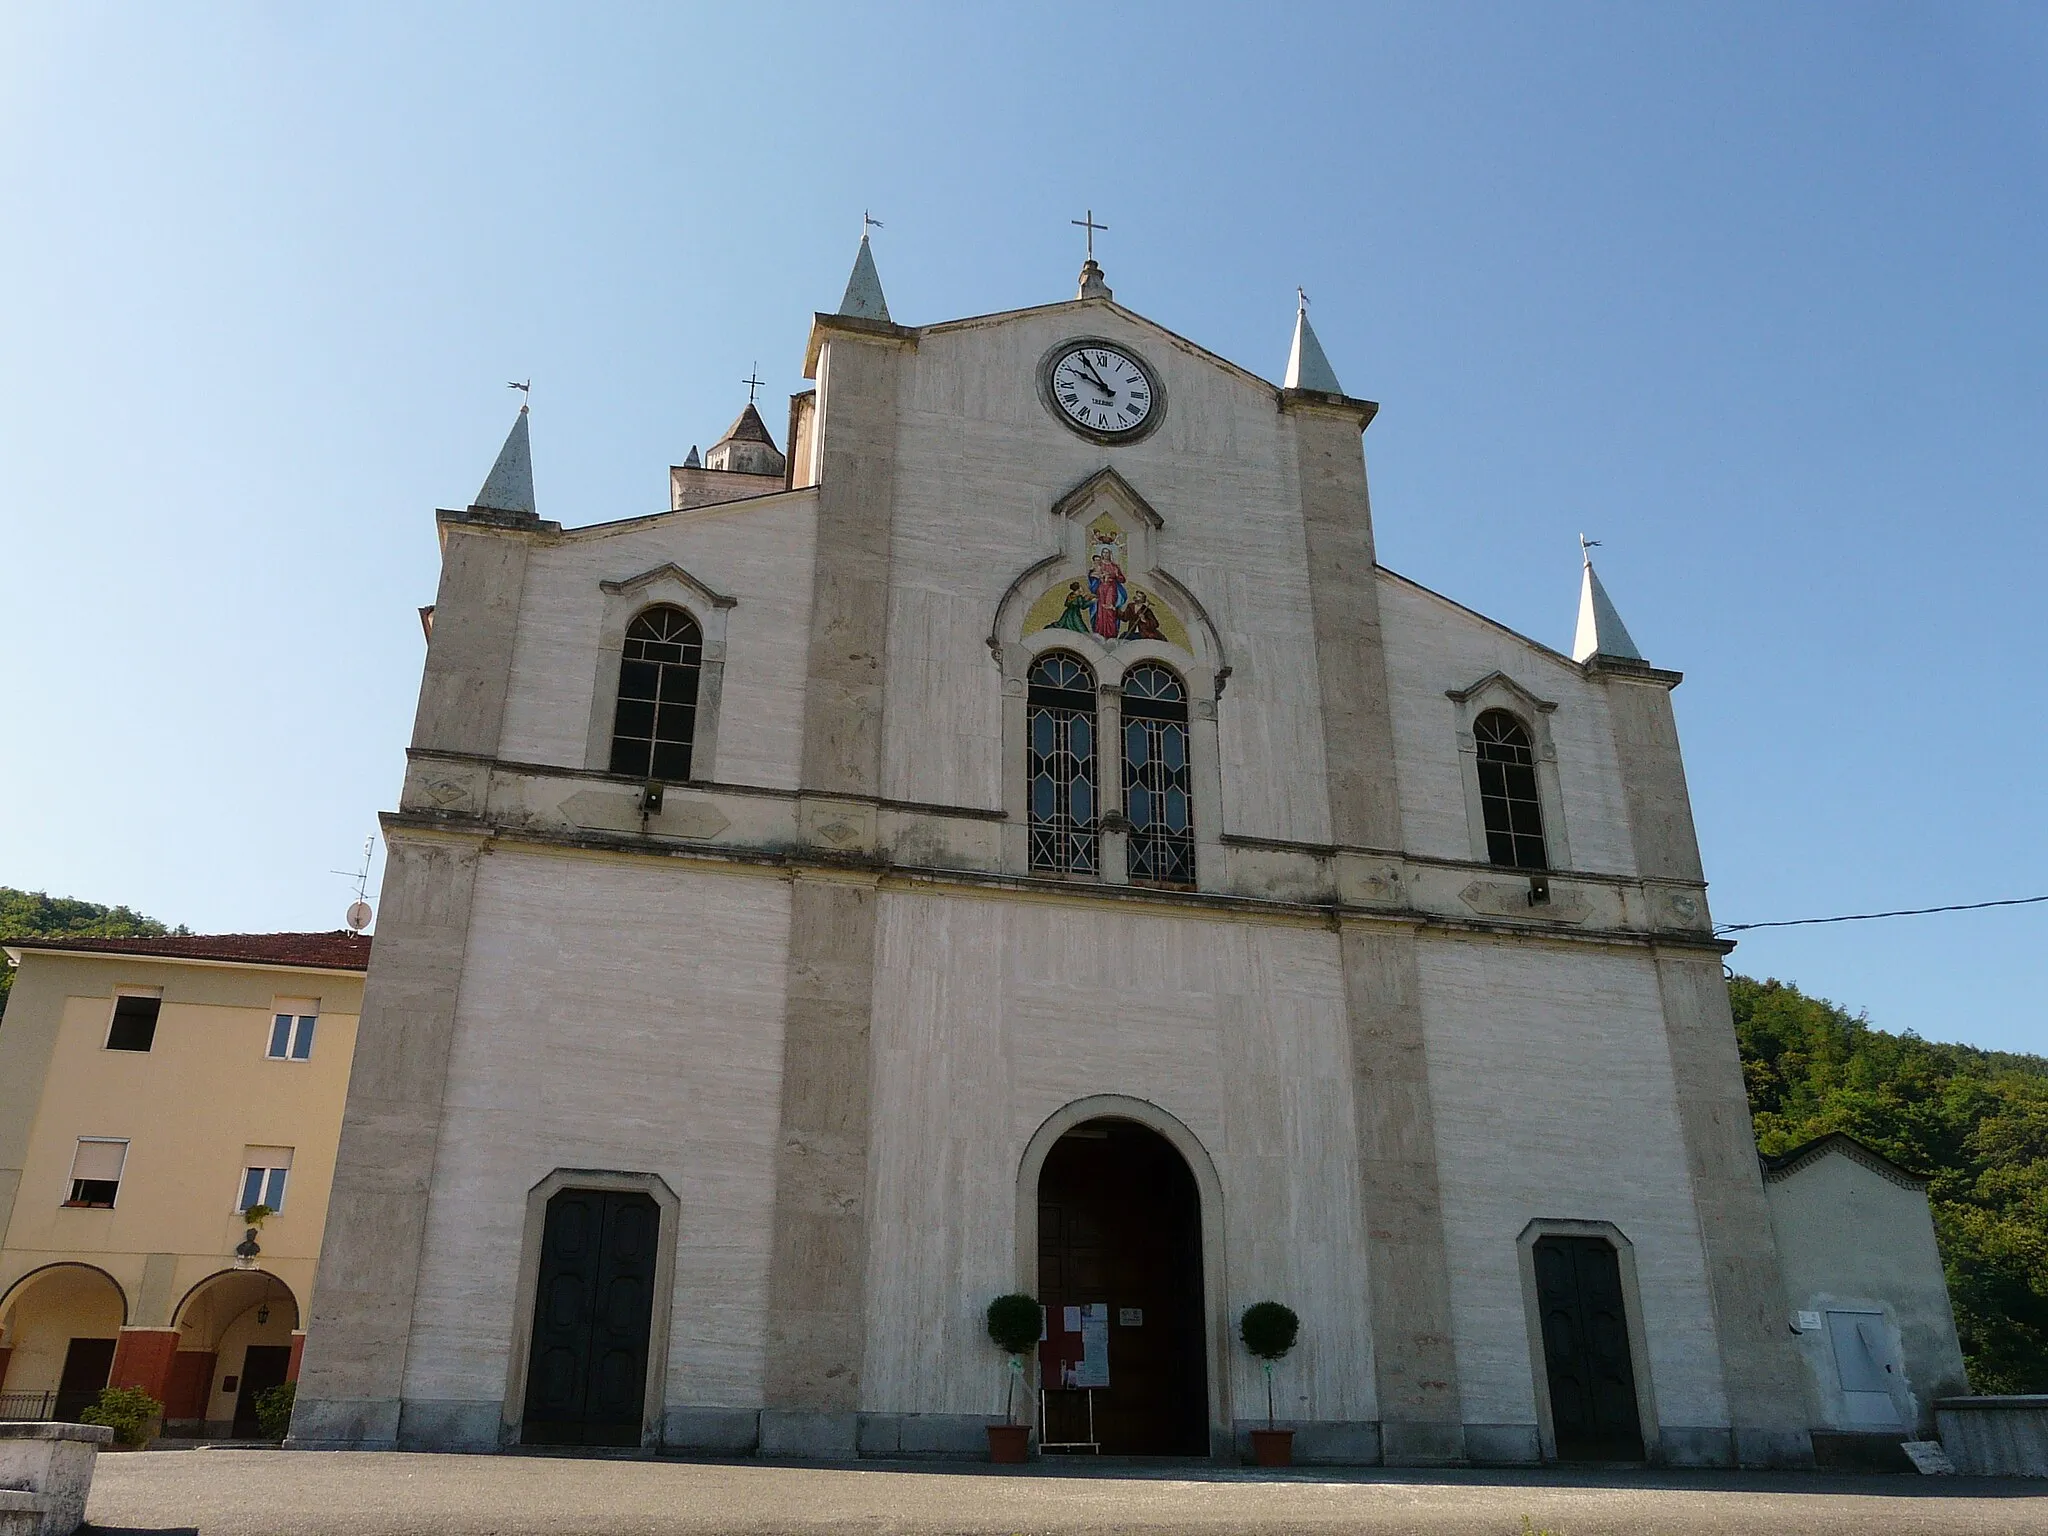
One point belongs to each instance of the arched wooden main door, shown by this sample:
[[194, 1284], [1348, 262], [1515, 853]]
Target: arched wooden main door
[[1120, 1257]]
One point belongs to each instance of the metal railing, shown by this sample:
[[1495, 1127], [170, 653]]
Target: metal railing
[[18, 1407]]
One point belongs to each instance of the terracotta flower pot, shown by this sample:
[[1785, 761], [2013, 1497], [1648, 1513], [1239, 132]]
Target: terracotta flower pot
[[1273, 1447], [1009, 1444]]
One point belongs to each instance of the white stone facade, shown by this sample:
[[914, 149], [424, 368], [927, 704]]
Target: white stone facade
[[621, 983]]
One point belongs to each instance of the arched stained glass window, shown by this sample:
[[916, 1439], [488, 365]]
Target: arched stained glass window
[[656, 720], [1157, 797], [1062, 780], [1507, 792]]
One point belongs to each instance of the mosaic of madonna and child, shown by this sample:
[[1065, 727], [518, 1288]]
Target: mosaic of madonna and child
[[1104, 603]]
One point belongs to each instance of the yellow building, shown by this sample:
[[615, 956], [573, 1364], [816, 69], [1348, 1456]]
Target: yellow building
[[151, 1090]]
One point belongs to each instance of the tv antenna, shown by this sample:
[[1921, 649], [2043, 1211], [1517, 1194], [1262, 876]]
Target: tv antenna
[[359, 909]]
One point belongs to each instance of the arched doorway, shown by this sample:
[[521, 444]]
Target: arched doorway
[[59, 1326], [1121, 1274], [234, 1344]]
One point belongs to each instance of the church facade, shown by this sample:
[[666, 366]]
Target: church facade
[[1021, 840]]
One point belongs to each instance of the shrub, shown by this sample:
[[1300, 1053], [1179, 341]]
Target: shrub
[[128, 1411], [1268, 1329], [1015, 1322], [274, 1409]]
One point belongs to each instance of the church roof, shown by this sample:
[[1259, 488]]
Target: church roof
[[338, 950], [863, 300], [1785, 1164], [1601, 632], [748, 427], [509, 485], [1307, 366]]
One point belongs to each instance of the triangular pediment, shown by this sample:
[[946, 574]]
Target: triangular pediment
[[1106, 484], [1501, 682], [670, 572]]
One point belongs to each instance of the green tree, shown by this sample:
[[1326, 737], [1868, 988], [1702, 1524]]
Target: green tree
[[1976, 1122], [37, 915]]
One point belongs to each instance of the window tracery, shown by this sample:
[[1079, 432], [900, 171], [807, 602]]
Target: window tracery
[[1158, 800], [1061, 776], [1508, 795], [655, 723]]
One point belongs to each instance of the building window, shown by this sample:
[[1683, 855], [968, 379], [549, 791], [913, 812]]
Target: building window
[[134, 1026], [96, 1172], [291, 1035], [263, 1177], [1507, 792], [1060, 765], [656, 718], [1156, 795]]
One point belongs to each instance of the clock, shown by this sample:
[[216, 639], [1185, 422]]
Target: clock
[[1101, 390]]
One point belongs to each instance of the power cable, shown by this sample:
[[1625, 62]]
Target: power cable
[[1865, 917]]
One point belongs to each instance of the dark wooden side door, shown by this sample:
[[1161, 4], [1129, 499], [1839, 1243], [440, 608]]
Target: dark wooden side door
[[87, 1364], [586, 1377], [1120, 1224], [1585, 1348], [263, 1367]]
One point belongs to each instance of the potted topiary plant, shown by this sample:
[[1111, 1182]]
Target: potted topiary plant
[[1014, 1322], [1269, 1330], [131, 1413]]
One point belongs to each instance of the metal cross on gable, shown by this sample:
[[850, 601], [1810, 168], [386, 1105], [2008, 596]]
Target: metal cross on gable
[[1091, 226], [753, 382]]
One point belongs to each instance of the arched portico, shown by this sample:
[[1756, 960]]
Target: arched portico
[[1209, 1193], [59, 1327], [236, 1339]]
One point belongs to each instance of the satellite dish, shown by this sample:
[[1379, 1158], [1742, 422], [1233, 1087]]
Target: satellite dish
[[358, 916]]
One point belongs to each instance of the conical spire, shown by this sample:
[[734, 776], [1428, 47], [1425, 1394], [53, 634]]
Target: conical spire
[[864, 299], [1307, 367], [1601, 632], [693, 462], [509, 486]]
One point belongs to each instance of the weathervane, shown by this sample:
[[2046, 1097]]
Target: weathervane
[[525, 389], [1586, 548], [753, 382], [1091, 226], [1301, 294], [867, 222]]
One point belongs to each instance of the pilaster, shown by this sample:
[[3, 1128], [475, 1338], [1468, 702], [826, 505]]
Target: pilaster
[[1407, 1267], [816, 1332], [476, 619], [360, 1320]]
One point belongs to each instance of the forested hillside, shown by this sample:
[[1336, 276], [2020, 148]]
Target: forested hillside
[[1977, 1121], [32, 914]]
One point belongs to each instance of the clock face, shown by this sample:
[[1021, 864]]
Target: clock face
[[1101, 391]]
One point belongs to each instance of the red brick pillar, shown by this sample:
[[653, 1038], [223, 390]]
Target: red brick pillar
[[291, 1372], [142, 1358]]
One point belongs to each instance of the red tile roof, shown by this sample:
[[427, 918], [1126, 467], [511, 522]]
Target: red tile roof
[[339, 950]]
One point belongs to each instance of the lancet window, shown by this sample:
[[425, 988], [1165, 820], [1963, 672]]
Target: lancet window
[[1507, 792], [1064, 787], [1157, 799], [656, 719]]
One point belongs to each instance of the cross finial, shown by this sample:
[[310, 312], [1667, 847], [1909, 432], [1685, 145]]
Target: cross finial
[[867, 222], [753, 382], [1586, 548], [1091, 226]]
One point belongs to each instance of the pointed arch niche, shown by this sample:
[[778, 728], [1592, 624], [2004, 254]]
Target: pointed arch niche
[[670, 586], [1049, 607]]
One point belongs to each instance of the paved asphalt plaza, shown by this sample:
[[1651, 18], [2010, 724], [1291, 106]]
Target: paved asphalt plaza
[[221, 1492]]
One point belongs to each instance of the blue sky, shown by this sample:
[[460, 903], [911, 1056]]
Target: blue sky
[[1753, 294]]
